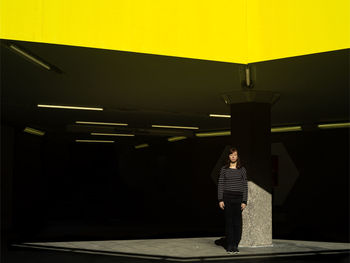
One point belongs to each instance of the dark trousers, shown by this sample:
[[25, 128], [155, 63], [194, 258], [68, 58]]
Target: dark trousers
[[233, 223]]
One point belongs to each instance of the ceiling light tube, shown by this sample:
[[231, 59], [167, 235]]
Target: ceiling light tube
[[34, 131], [68, 107], [141, 146], [212, 134], [286, 129], [102, 123], [177, 138], [227, 133], [30, 57], [112, 134], [94, 141], [334, 125], [220, 115], [174, 127]]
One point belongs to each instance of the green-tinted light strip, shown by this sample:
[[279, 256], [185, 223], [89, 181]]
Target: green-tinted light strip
[[94, 141], [30, 57], [102, 123], [286, 129], [178, 138], [141, 146], [210, 134], [175, 127], [34, 131], [334, 125], [112, 134], [69, 107]]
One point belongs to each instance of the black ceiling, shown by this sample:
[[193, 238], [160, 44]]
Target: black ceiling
[[143, 89]]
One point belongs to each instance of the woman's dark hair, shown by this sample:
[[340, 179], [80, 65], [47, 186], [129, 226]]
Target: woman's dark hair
[[232, 150]]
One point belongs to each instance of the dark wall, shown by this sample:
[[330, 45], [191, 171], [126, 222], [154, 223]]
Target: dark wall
[[317, 208], [28, 183], [66, 190], [6, 175]]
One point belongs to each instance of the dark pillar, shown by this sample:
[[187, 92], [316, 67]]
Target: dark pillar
[[250, 132]]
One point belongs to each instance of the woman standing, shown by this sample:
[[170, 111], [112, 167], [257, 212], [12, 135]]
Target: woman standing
[[232, 196]]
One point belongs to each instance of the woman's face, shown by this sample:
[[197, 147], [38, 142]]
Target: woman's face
[[233, 157]]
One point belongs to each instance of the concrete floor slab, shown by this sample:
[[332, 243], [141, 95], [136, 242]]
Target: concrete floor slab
[[189, 249]]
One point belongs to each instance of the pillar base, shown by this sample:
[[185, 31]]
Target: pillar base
[[257, 218]]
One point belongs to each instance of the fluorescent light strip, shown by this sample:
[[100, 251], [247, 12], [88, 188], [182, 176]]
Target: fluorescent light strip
[[34, 131], [101, 123], [334, 125], [69, 107], [286, 129], [141, 146], [210, 134], [227, 133], [177, 138], [33, 59], [112, 134], [220, 115], [94, 141], [175, 127]]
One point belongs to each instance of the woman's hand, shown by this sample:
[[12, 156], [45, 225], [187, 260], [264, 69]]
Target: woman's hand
[[222, 205], [243, 205]]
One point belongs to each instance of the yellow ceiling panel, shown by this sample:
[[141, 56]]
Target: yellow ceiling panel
[[194, 29], [278, 29], [239, 31]]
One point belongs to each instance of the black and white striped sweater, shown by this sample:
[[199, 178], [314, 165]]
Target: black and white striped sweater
[[233, 184]]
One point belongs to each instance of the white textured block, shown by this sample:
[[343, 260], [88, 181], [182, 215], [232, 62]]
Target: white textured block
[[257, 218]]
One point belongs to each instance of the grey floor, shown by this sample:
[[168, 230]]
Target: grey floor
[[193, 249]]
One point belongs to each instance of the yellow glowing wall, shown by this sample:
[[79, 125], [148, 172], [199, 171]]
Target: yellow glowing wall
[[240, 31]]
